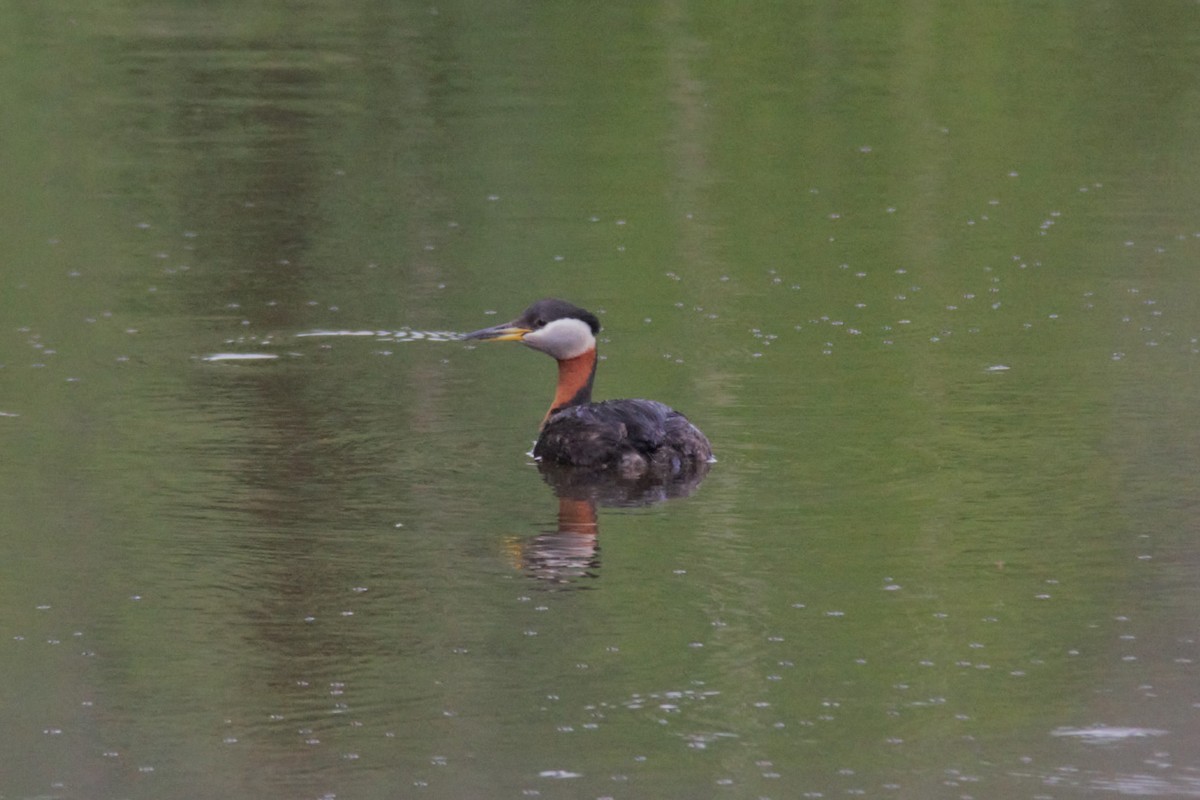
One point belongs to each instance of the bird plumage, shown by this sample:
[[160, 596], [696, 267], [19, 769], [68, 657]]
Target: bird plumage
[[633, 437]]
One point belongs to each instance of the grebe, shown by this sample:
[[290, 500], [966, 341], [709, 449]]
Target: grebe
[[635, 437]]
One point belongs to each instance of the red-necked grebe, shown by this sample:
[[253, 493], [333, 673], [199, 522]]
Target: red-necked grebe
[[631, 436]]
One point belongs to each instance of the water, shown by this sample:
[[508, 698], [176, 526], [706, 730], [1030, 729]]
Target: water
[[924, 275]]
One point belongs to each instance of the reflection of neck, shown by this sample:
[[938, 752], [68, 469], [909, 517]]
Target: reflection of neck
[[576, 516], [575, 377]]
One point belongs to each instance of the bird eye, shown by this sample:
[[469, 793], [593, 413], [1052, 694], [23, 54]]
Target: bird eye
[[539, 323]]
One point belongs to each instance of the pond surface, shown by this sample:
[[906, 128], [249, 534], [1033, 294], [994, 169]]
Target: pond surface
[[926, 275]]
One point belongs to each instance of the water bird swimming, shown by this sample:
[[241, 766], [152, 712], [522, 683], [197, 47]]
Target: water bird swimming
[[634, 437]]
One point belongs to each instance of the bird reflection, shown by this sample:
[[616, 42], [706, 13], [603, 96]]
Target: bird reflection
[[568, 555]]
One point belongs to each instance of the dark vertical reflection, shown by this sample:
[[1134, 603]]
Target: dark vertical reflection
[[299, 157]]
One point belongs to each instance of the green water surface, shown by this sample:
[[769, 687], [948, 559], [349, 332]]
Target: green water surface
[[925, 273]]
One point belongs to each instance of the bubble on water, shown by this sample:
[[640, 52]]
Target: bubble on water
[[1106, 733], [234, 357]]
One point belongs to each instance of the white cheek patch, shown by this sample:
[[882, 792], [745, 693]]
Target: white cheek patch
[[562, 338]]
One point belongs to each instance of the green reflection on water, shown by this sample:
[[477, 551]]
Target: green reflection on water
[[923, 274]]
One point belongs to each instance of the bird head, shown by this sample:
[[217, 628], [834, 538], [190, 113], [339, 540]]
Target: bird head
[[554, 327]]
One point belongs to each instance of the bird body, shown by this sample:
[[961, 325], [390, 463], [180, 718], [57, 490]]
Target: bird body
[[633, 437]]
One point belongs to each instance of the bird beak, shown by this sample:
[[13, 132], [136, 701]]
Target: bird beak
[[508, 332]]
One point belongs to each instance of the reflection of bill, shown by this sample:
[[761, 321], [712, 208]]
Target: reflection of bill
[[572, 551]]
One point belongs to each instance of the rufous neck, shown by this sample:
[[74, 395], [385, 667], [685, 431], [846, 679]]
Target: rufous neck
[[575, 376]]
